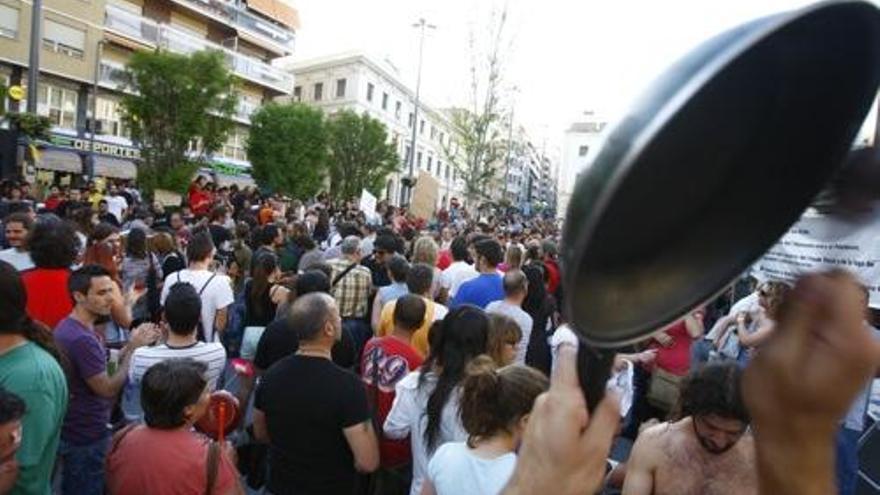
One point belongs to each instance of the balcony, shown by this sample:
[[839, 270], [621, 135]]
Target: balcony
[[148, 32], [273, 37], [111, 75]]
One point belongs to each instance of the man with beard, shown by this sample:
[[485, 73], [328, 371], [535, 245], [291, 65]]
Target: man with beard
[[707, 451]]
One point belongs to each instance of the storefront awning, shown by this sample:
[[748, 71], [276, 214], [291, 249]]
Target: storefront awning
[[114, 168], [241, 181], [60, 161]]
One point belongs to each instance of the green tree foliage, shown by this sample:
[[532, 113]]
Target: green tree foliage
[[361, 157], [173, 101], [287, 147]]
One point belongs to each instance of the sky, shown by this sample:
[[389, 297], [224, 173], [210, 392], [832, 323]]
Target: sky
[[563, 57]]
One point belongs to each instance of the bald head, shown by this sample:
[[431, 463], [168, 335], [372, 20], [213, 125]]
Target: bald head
[[311, 313]]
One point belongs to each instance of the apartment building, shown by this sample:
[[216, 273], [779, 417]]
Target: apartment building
[[84, 48], [358, 82]]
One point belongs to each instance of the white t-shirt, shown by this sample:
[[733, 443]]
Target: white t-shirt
[[20, 260], [456, 274], [216, 295], [408, 416], [116, 205], [456, 470], [522, 319]]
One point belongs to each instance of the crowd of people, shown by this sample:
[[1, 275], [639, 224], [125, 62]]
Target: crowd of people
[[370, 352]]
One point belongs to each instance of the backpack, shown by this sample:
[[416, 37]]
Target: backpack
[[200, 334]]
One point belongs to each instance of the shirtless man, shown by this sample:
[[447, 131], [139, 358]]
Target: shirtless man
[[707, 451]]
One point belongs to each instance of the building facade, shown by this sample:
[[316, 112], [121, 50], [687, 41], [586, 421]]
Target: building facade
[[526, 180], [580, 145], [84, 48], [358, 82]]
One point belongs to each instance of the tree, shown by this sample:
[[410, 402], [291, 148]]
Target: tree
[[172, 102], [361, 157], [287, 147], [478, 146]]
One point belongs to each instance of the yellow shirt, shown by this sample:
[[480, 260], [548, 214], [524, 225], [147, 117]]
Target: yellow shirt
[[420, 337]]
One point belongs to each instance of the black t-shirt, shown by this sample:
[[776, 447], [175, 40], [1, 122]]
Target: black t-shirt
[[280, 340], [380, 274], [219, 234], [308, 401]]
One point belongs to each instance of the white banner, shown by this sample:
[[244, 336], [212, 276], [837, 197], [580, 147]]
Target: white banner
[[819, 242], [368, 204]]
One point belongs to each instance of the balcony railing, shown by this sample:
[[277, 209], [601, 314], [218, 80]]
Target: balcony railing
[[281, 38], [148, 31], [111, 75]]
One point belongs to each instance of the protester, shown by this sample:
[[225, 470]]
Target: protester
[[398, 269], [503, 339], [350, 284], [709, 436], [183, 308], [263, 292], [495, 406], [214, 289], [54, 247], [516, 288], [419, 283], [426, 405], [386, 361], [318, 429], [541, 306], [174, 395], [385, 245], [141, 269], [85, 437], [17, 228], [29, 368], [460, 271], [425, 251], [488, 286]]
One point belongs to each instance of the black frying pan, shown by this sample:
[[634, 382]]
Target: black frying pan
[[712, 165]]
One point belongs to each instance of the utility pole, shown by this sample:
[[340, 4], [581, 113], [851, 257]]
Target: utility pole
[[422, 25], [34, 60]]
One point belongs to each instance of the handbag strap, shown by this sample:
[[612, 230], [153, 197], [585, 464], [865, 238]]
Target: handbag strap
[[342, 274]]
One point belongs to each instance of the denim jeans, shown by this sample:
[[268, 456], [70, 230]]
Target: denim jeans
[[847, 453], [82, 467]]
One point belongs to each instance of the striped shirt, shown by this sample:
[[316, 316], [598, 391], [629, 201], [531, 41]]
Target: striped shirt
[[212, 354]]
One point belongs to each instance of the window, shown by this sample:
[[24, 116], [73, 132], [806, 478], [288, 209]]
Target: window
[[319, 91], [430, 162], [433, 132], [64, 39], [441, 138], [384, 101], [370, 89], [419, 159], [582, 151], [397, 107], [422, 127], [445, 172], [412, 118], [407, 155], [107, 112], [59, 104], [297, 93], [235, 144], [8, 21], [340, 88]]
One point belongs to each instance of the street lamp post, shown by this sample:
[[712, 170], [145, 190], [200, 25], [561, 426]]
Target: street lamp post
[[422, 25], [34, 58]]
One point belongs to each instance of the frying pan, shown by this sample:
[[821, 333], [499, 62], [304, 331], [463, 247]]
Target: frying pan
[[710, 167]]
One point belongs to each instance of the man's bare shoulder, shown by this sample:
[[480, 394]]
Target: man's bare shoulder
[[653, 437]]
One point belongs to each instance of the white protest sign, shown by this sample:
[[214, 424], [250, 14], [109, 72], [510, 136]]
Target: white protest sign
[[818, 242], [368, 204]]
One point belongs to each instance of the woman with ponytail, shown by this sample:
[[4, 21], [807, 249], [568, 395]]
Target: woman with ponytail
[[426, 404], [495, 407], [29, 368]]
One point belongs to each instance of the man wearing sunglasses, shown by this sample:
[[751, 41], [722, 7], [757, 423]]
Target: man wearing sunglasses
[[707, 450]]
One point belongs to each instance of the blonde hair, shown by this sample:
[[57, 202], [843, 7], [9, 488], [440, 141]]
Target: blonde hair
[[513, 258], [425, 251]]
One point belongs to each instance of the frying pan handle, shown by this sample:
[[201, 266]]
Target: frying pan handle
[[594, 370]]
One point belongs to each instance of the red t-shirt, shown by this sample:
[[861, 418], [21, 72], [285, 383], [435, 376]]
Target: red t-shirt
[[165, 462], [553, 276], [676, 358], [444, 259], [395, 359], [48, 299]]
